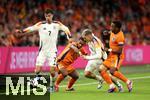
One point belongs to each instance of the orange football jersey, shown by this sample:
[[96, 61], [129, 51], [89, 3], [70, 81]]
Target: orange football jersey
[[116, 40], [69, 55]]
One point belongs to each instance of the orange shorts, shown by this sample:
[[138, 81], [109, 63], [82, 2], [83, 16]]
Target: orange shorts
[[69, 68], [113, 60]]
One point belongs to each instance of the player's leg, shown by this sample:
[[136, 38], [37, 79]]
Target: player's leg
[[62, 74], [74, 76], [114, 71], [90, 70], [117, 83], [39, 63], [106, 77], [51, 58]]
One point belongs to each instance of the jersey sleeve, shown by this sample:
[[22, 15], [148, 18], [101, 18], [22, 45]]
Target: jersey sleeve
[[32, 28]]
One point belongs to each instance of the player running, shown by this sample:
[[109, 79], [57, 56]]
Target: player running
[[48, 32], [96, 58], [65, 59], [112, 63]]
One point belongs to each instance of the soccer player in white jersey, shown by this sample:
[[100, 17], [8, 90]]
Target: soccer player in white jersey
[[96, 57], [48, 32]]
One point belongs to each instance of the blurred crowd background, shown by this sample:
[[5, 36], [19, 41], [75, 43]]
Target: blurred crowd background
[[77, 15]]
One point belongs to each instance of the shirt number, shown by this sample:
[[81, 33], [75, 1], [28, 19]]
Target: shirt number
[[49, 32]]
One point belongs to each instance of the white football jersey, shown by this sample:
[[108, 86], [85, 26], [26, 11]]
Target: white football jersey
[[48, 34], [96, 49]]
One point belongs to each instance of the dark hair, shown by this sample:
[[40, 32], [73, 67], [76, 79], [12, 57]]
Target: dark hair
[[117, 24], [47, 11], [86, 32]]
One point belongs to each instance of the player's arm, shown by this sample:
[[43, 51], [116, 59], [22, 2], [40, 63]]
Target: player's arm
[[119, 50], [67, 48], [24, 32], [66, 31], [98, 55]]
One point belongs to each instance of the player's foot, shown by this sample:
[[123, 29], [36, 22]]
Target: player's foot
[[56, 88], [120, 88], [70, 89], [51, 89], [130, 86], [33, 83], [111, 90], [100, 84]]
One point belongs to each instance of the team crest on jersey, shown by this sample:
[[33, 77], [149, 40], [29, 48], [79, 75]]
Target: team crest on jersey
[[54, 27], [113, 39], [44, 28]]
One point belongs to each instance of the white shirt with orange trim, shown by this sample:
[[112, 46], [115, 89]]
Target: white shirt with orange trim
[[95, 47], [48, 34]]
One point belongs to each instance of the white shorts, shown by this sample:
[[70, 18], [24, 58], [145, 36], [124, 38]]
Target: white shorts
[[50, 57], [93, 65]]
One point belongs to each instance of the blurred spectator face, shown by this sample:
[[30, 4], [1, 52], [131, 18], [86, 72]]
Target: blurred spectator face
[[1, 27], [49, 17]]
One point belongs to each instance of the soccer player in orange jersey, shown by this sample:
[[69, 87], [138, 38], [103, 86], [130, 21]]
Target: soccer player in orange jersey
[[65, 59], [113, 62]]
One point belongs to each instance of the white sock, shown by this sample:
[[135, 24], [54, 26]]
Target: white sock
[[99, 78], [128, 82], [52, 80], [118, 83], [111, 86]]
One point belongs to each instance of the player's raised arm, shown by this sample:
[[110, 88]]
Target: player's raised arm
[[31, 28], [67, 31], [23, 32]]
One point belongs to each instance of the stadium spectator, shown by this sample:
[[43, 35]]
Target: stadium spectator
[[77, 14]]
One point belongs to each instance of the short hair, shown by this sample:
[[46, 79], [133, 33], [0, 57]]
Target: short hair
[[86, 32], [47, 11], [117, 23]]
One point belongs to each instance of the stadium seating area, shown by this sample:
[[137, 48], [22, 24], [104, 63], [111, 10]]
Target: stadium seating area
[[77, 15]]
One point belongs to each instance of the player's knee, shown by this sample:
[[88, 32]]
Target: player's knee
[[63, 72], [102, 68], [112, 70], [87, 74], [76, 77]]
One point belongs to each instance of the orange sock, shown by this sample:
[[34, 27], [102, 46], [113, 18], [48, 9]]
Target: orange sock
[[71, 82], [106, 77], [120, 76], [59, 79]]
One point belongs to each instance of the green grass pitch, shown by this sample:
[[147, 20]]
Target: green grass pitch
[[85, 89]]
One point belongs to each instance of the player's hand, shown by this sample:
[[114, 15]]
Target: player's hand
[[107, 49], [84, 57], [71, 40]]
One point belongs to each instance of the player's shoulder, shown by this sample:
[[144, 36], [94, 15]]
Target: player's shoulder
[[121, 34], [57, 22], [40, 23]]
